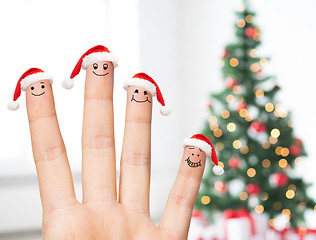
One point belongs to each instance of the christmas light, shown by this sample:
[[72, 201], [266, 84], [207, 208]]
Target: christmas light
[[237, 90], [290, 194], [263, 61], [273, 140], [266, 163], [233, 62], [259, 93], [243, 112], [277, 206], [283, 163], [225, 114], [221, 164], [243, 196], [218, 132], [256, 35], [285, 152], [292, 187], [205, 200], [265, 197], [231, 127], [297, 160], [213, 126], [266, 145], [230, 98], [275, 133], [244, 150], [253, 53], [237, 144], [278, 150], [219, 146], [259, 209], [249, 18], [241, 23], [251, 172], [255, 67], [315, 208], [212, 119], [249, 118], [286, 212], [269, 107], [271, 222]]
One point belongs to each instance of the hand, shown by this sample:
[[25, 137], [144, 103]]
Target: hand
[[101, 215]]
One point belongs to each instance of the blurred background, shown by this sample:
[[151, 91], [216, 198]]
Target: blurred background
[[179, 43]]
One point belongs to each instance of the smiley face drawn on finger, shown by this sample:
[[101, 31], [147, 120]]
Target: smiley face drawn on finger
[[194, 156], [38, 88], [100, 69], [141, 95]]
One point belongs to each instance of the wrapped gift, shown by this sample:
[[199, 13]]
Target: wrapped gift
[[238, 225], [289, 234]]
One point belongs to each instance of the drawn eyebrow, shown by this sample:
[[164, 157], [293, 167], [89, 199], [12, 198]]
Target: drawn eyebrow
[[41, 82], [191, 148], [200, 150]]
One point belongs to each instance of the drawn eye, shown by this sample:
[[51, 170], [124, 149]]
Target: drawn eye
[[32, 88], [95, 66], [145, 93], [105, 66], [43, 86], [136, 91], [192, 154], [198, 155]]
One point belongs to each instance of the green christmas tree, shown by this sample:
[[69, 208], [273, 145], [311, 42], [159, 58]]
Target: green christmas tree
[[253, 137]]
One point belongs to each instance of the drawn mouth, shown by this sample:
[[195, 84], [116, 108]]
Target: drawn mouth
[[100, 74], [37, 95], [139, 101], [193, 164]]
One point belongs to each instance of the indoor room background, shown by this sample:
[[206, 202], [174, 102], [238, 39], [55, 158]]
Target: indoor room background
[[178, 42]]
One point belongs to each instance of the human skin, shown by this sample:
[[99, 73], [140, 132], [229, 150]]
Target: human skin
[[102, 215]]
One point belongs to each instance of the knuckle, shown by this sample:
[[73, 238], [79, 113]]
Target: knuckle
[[99, 142], [50, 153], [138, 159], [182, 200]]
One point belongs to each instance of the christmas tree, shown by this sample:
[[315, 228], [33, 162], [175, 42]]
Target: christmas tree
[[253, 137]]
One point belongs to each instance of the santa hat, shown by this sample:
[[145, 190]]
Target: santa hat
[[95, 54], [202, 142], [144, 81], [30, 76]]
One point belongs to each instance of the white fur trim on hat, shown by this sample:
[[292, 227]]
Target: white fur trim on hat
[[164, 111], [198, 143], [217, 170], [27, 81], [68, 83], [98, 57], [143, 83], [14, 105]]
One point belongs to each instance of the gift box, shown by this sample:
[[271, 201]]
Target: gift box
[[290, 234]]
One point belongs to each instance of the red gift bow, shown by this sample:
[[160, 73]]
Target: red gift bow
[[240, 213], [300, 231]]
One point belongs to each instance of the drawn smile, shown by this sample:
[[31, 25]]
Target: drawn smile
[[139, 101], [100, 74], [193, 164], [37, 95]]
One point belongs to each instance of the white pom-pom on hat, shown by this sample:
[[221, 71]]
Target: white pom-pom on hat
[[217, 170], [68, 83], [13, 106], [143, 80], [165, 111]]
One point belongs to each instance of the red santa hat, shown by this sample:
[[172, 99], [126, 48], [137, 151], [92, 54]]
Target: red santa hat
[[144, 81], [30, 76], [202, 142], [95, 54]]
